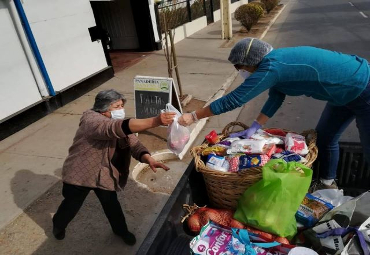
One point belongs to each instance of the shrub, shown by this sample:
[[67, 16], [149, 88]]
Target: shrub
[[259, 4], [248, 15], [270, 4]]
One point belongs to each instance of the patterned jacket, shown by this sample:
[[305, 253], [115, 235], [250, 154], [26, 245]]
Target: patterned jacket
[[101, 153]]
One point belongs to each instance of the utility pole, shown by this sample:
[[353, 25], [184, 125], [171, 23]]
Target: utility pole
[[227, 28]]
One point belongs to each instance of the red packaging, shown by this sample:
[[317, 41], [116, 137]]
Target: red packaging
[[212, 137]]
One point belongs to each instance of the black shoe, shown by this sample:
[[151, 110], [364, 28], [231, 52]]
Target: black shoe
[[59, 234], [129, 238]]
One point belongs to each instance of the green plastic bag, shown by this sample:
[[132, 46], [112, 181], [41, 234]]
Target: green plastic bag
[[271, 204]]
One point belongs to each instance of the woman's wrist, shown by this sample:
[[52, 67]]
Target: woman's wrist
[[194, 114]]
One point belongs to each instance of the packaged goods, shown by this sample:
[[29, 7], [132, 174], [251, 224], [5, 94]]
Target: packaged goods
[[233, 163], [289, 156], [249, 146], [296, 143], [218, 150], [248, 161], [311, 210], [276, 132], [217, 163], [268, 138], [227, 141], [212, 137]]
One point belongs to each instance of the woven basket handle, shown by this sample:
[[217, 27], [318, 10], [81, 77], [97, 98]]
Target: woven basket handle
[[227, 129]]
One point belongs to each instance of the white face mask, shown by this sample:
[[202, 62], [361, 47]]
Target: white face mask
[[118, 114], [244, 74]]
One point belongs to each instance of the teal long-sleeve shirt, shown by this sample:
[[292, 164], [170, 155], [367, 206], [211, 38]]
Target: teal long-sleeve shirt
[[322, 74]]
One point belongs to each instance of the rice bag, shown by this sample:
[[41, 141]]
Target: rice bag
[[217, 163], [289, 156], [249, 146], [311, 210], [296, 143], [268, 138], [249, 161], [218, 150]]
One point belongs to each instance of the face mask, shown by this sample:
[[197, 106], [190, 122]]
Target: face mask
[[118, 114], [244, 74]]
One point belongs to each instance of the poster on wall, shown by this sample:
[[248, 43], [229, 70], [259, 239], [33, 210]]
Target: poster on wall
[[152, 94]]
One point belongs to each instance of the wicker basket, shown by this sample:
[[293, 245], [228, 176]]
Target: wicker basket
[[225, 188]]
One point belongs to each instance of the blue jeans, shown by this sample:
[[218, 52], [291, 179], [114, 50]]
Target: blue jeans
[[334, 120]]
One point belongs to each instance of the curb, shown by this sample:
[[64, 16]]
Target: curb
[[220, 92]]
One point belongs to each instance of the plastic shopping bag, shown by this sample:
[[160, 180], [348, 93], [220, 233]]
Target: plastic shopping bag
[[344, 230], [177, 135], [271, 204]]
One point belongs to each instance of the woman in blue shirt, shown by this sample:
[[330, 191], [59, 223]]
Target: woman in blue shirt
[[340, 79]]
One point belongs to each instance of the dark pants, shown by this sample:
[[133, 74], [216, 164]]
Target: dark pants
[[334, 120], [74, 196]]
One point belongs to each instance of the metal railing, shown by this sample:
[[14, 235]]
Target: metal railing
[[177, 13]]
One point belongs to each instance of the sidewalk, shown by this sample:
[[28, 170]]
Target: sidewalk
[[31, 160]]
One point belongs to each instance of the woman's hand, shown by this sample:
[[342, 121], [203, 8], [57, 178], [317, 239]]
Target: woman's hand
[[186, 119], [166, 118], [153, 164]]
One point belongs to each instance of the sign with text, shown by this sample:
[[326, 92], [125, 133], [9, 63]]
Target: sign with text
[[152, 94]]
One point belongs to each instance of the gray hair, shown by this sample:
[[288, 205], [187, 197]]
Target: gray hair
[[249, 52], [105, 98]]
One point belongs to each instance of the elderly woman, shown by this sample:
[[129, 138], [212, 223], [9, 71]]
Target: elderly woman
[[341, 80], [99, 160]]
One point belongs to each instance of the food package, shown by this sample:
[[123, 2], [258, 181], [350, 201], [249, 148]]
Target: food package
[[227, 141], [217, 163], [233, 162], [311, 210], [269, 149], [249, 146], [212, 137], [248, 161], [276, 132], [289, 156], [218, 150], [268, 138], [296, 143]]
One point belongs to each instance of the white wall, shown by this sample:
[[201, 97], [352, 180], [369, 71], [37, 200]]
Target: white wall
[[18, 88], [61, 31], [233, 7], [189, 28]]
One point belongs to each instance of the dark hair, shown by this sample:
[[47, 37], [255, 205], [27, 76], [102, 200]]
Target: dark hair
[[105, 98]]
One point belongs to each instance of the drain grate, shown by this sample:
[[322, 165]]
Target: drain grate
[[353, 175]]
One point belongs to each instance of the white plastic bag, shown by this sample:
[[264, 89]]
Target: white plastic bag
[[177, 135]]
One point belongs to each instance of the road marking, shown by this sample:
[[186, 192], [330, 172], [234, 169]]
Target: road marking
[[351, 4], [364, 15]]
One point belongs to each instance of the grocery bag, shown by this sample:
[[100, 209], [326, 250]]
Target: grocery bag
[[177, 135], [344, 230], [271, 204]]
